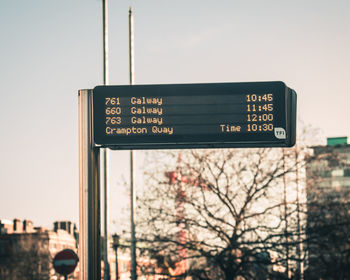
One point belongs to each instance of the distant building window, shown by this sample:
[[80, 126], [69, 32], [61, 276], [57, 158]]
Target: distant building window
[[326, 174], [338, 173], [3, 248], [336, 184], [347, 173]]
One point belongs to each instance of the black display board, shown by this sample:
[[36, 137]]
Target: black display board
[[256, 114]]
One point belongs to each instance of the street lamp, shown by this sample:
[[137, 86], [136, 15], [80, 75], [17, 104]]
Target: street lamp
[[115, 247]]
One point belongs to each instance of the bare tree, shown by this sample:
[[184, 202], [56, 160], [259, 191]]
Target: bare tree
[[219, 214]]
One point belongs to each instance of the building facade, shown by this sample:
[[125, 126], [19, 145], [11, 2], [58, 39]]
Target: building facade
[[26, 252], [328, 211]]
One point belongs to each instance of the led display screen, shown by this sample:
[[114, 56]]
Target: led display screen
[[256, 114]]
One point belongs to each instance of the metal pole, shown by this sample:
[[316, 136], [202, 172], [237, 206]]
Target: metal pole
[[104, 152], [285, 214], [131, 48], [104, 175], [89, 193], [132, 192], [300, 244], [132, 218], [105, 41], [116, 265]]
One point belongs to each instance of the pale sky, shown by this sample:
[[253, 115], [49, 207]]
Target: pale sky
[[51, 49]]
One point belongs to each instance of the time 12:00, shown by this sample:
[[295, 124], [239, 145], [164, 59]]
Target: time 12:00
[[260, 118]]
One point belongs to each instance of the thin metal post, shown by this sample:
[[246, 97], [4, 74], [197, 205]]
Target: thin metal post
[[285, 214], [89, 194], [104, 174], [115, 247], [105, 41], [104, 152], [300, 244], [132, 191], [131, 47], [116, 265], [132, 218]]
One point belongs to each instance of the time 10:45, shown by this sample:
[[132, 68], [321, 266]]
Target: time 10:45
[[268, 97]]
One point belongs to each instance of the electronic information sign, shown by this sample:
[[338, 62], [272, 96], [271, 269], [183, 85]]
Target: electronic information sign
[[257, 114]]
